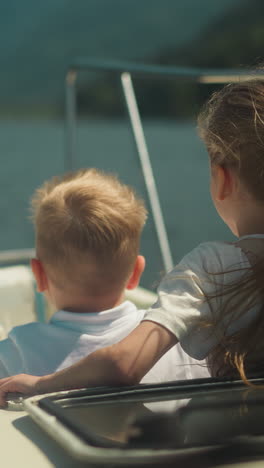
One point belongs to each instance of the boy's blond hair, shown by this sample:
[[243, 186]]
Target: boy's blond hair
[[88, 226]]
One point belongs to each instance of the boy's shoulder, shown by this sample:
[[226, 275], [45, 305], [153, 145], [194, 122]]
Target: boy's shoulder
[[28, 329]]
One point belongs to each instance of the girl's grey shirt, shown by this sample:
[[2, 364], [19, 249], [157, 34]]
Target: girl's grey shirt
[[182, 306]]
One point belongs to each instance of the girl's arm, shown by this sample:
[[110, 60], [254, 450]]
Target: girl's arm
[[124, 363]]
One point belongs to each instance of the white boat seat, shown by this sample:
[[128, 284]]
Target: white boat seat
[[19, 303]]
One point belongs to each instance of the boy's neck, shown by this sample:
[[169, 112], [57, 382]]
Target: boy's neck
[[91, 304]]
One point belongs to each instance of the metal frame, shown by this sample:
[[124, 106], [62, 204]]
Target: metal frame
[[125, 70], [82, 442]]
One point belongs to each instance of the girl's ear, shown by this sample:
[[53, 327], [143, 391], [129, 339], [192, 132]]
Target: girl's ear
[[137, 272], [222, 181], [40, 275]]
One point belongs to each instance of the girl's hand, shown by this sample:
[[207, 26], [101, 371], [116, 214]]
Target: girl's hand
[[21, 383]]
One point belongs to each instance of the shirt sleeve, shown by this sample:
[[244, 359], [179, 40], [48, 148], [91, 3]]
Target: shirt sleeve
[[182, 306]]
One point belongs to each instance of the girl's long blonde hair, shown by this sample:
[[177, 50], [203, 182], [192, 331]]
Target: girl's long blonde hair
[[232, 128]]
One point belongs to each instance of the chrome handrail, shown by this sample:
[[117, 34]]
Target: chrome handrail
[[125, 70], [202, 75], [144, 157]]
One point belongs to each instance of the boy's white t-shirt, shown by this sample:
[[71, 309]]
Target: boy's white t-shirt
[[39, 349], [182, 307]]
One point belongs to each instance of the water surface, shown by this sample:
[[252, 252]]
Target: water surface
[[32, 151]]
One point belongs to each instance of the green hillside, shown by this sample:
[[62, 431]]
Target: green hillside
[[233, 40], [40, 38]]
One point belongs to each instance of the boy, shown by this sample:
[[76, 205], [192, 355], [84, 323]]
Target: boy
[[88, 228]]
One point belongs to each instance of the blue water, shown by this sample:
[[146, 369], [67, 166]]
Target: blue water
[[32, 151]]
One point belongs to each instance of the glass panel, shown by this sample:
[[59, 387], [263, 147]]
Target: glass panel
[[210, 417]]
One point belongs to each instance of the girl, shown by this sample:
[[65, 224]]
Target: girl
[[212, 302]]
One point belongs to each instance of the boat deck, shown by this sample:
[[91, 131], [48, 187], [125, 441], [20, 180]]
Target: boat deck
[[24, 444]]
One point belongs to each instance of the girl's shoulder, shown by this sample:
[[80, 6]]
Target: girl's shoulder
[[214, 257], [195, 272]]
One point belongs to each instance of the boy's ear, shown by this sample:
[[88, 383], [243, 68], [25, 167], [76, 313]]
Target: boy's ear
[[136, 273], [39, 273]]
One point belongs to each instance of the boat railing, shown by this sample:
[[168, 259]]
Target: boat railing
[[126, 71], [19, 279]]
